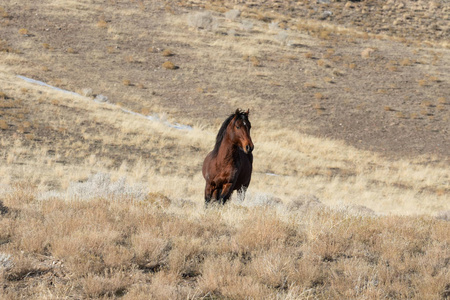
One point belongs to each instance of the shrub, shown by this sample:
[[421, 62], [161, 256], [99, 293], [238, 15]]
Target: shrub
[[167, 52], [100, 186], [282, 37], [442, 100], [23, 31], [319, 96], [169, 65], [246, 25], [102, 24], [3, 125], [444, 215], [203, 20], [232, 14], [405, 62]]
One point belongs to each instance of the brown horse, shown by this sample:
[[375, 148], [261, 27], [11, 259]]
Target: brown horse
[[229, 166]]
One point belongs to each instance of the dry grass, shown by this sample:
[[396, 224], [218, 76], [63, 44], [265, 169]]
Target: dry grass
[[98, 201], [23, 31], [406, 62], [3, 125], [318, 96], [133, 248], [102, 24]]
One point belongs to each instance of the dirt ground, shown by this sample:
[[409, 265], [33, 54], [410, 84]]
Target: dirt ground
[[345, 77]]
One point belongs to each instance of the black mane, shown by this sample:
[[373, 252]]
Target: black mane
[[223, 129]]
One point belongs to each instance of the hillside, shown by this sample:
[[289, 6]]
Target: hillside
[[108, 108], [378, 92]]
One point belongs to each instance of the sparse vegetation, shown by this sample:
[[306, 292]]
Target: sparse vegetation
[[422, 82], [203, 20], [232, 14], [318, 96], [406, 62], [321, 63], [246, 25], [139, 247], [310, 85], [3, 125], [23, 31], [167, 52], [101, 196], [308, 55], [102, 24], [169, 65]]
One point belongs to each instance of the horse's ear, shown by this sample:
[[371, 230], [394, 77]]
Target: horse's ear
[[247, 112]]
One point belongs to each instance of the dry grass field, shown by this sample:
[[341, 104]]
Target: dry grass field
[[101, 192]]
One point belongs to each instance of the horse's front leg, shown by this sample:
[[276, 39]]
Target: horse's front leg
[[227, 190], [212, 193], [241, 193], [208, 193], [216, 193]]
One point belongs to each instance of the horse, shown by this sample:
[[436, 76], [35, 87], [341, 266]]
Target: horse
[[228, 167]]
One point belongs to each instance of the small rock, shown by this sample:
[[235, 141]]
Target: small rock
[[325, 15], [101, 98]]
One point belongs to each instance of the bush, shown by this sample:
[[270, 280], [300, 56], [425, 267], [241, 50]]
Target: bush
[[232, 14], [202, 20]]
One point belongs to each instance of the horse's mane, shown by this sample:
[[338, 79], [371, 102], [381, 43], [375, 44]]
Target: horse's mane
[[223, 129]]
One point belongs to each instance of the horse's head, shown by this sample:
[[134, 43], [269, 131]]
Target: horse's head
[[239, 129]]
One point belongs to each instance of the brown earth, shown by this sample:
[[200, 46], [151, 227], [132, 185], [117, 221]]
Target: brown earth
[[376, 76]]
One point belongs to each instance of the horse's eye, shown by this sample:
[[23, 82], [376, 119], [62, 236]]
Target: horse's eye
[[237, 127]]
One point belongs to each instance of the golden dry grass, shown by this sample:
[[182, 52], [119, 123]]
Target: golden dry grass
[[134, 248]]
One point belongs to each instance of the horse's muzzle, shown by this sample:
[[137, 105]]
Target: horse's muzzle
[[248, 149]]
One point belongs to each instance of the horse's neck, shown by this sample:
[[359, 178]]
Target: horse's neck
[[227, 150]]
